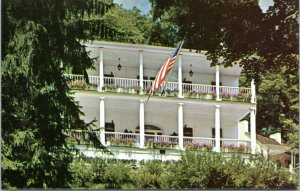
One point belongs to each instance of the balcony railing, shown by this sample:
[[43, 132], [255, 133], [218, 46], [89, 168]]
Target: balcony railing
[[120, 139], [168, 89]]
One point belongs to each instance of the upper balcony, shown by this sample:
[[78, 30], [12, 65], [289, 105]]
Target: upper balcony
[[168, 89], [131, 69]]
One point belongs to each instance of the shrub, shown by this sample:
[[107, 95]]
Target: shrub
[[82, 174], [116, 175], [148, 176]]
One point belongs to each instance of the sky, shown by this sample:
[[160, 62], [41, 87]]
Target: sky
[[145, 5]]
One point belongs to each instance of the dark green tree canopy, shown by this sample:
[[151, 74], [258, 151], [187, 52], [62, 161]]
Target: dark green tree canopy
[[264, 44], [40, 39]]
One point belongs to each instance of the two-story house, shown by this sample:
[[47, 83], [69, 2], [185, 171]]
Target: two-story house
[[198, 107]]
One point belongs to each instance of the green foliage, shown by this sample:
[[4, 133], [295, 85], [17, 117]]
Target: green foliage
[[129, 25], [264, 44], [148, 176], [39, 37], [116, 174], [205, 170], [82, 174]]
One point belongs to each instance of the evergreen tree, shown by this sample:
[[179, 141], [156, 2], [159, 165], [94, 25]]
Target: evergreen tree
[[40, 39]]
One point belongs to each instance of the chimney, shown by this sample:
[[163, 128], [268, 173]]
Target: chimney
[[276, 136]]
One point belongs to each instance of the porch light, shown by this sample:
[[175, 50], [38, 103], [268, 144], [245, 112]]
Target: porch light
[[119, 65], [191, 71]]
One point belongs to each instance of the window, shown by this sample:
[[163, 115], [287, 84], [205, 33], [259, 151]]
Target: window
[[213, 133], [187, 131]]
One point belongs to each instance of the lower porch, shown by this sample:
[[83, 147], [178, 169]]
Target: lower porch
[[159, 142]]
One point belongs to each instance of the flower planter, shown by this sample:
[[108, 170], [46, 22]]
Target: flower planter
[[131, 91], [208, 96], [194, 96], [149, 145], [171, 94], [201, 96], [185, 94], [120, 90]]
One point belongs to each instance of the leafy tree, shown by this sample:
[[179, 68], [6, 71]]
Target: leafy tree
[[129, 25], [265, 45], [40, 39]]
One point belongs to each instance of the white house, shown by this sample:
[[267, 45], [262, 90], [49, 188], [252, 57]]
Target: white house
[[200, 108]]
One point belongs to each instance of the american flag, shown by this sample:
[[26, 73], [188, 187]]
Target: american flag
[[162, 74]]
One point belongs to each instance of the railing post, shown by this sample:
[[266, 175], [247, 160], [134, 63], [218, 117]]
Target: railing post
[[218, 83], [253, 92], [101, 80], [142, 123], [253, 129], [102, 121], [180, 126], [180, 94], [217, 128], [141, 72]]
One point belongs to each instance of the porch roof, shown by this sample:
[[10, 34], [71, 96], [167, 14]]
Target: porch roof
[[154, 57]]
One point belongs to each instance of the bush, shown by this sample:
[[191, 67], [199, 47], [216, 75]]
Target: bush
[[195, 170], [116, 175], [82, 174], [148, 176]]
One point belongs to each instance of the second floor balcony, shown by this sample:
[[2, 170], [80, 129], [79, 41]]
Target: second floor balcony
[[168, 89]]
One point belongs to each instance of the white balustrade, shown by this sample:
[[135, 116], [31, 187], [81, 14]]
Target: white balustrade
[[235, 144], [198, 142], [234, 91], [94, 80], [74, 77], [132, 139], [226, 92], [122, 139], [121, 82], [198, 88], [161, 139]]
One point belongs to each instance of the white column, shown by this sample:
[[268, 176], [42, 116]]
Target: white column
[[101, 80], [142, 123], [253, 129], [141, 71], [102, 120], [217, 128], [217, 83], [180, 94], [180, 125], [253, 92]]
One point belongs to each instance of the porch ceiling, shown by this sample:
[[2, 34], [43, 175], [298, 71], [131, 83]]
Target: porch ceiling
[[154, 57], [129, 105]]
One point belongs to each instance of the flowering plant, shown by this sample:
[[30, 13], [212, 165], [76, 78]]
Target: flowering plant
[[77, 84], [115, 141], [236, 148], [197, 146]]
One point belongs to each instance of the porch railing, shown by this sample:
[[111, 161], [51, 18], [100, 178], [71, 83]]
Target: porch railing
[[235, 145], [194, 91], [197, 142], [122, 139], [162, 141]]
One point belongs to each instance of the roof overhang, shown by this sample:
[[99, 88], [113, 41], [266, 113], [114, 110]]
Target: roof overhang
[[154, 57]]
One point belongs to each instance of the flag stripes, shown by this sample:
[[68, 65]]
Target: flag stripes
[[167, 66]]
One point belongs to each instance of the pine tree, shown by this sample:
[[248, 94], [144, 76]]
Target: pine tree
[[40, 39]]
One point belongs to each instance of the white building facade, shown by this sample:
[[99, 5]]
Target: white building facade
[[199, 107]]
